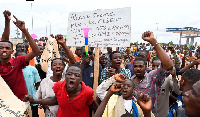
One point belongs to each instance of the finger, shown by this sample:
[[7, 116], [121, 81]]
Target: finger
[[22, 22], [15, 17], [9, 13], [14, 22], [140, 95], [144, 98], [118, 86]]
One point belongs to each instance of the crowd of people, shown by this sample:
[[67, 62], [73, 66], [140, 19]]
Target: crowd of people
[[143, 80]]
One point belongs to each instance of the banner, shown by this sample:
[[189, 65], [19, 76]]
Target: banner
[[50, 52], [108, 28], [10, 105]]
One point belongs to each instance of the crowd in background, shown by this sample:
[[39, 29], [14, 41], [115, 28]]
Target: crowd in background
[[146, 79]]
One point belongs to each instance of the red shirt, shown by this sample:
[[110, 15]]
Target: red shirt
[[12, 74], [78, 107]]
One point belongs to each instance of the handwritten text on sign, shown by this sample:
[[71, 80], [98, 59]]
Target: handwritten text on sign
[[107, 28]]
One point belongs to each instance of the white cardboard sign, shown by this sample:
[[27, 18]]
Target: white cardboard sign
[[108, 28]]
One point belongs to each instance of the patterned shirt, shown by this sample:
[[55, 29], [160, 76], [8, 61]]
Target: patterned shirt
[[152, 83], [123, 70]]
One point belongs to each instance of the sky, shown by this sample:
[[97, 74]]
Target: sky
[[151, 15]]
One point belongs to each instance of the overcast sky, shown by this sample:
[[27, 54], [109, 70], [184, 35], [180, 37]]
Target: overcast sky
[[154, 16]]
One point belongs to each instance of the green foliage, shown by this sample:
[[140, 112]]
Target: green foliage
[[170, 43]]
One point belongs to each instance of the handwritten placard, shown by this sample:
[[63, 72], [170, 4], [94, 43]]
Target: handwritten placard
[[10, 105], [107, 28], [50, 52]]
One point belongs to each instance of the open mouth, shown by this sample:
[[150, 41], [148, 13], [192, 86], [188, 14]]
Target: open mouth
[[4, 54], [58, 71], [124, 92], [71, 84], [118, 63], [138, 73]]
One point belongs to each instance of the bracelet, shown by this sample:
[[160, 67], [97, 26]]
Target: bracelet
[[156, 44]]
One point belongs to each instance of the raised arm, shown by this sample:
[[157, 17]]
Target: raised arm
[[70, 55], [114, 88], [164, 58], [49, 101], [6, 32], [35, 49], [196, 62]]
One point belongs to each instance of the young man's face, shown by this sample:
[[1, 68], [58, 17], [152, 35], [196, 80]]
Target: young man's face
[[5, 50], [142, 55], [41, 50], [116, 60], [103, 60], [155, 64], [192, 103], [127, 89], [73, 78], [57, 67], [139, 68], [109, 49], [21, 48], [78, 51]]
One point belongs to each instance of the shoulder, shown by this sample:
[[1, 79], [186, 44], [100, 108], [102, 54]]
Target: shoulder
[[45, 81], [126, 71], [87, 89], [58, 86], [129, 64], [19, 57], [31, 67], [60, 83]]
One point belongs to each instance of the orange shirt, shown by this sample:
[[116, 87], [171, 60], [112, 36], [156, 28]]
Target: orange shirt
[[78, 59]]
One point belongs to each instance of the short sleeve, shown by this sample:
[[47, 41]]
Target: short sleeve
[[21, 61], [36, 75], [39, 93], [90, 97]]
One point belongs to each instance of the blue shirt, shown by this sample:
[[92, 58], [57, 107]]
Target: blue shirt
[[88, 73], [31, 76]]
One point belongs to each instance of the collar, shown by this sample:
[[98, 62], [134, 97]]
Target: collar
[[134, 76], [11, 61]]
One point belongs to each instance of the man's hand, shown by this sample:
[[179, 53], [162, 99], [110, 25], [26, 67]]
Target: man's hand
[[110, 72], [60, 39], [120, 77], [28, 98], [19, 24], [145, 103], [7, 15], [116, 88], [148, 36]]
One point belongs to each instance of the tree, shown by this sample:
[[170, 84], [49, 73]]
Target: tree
[[170, 43]]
